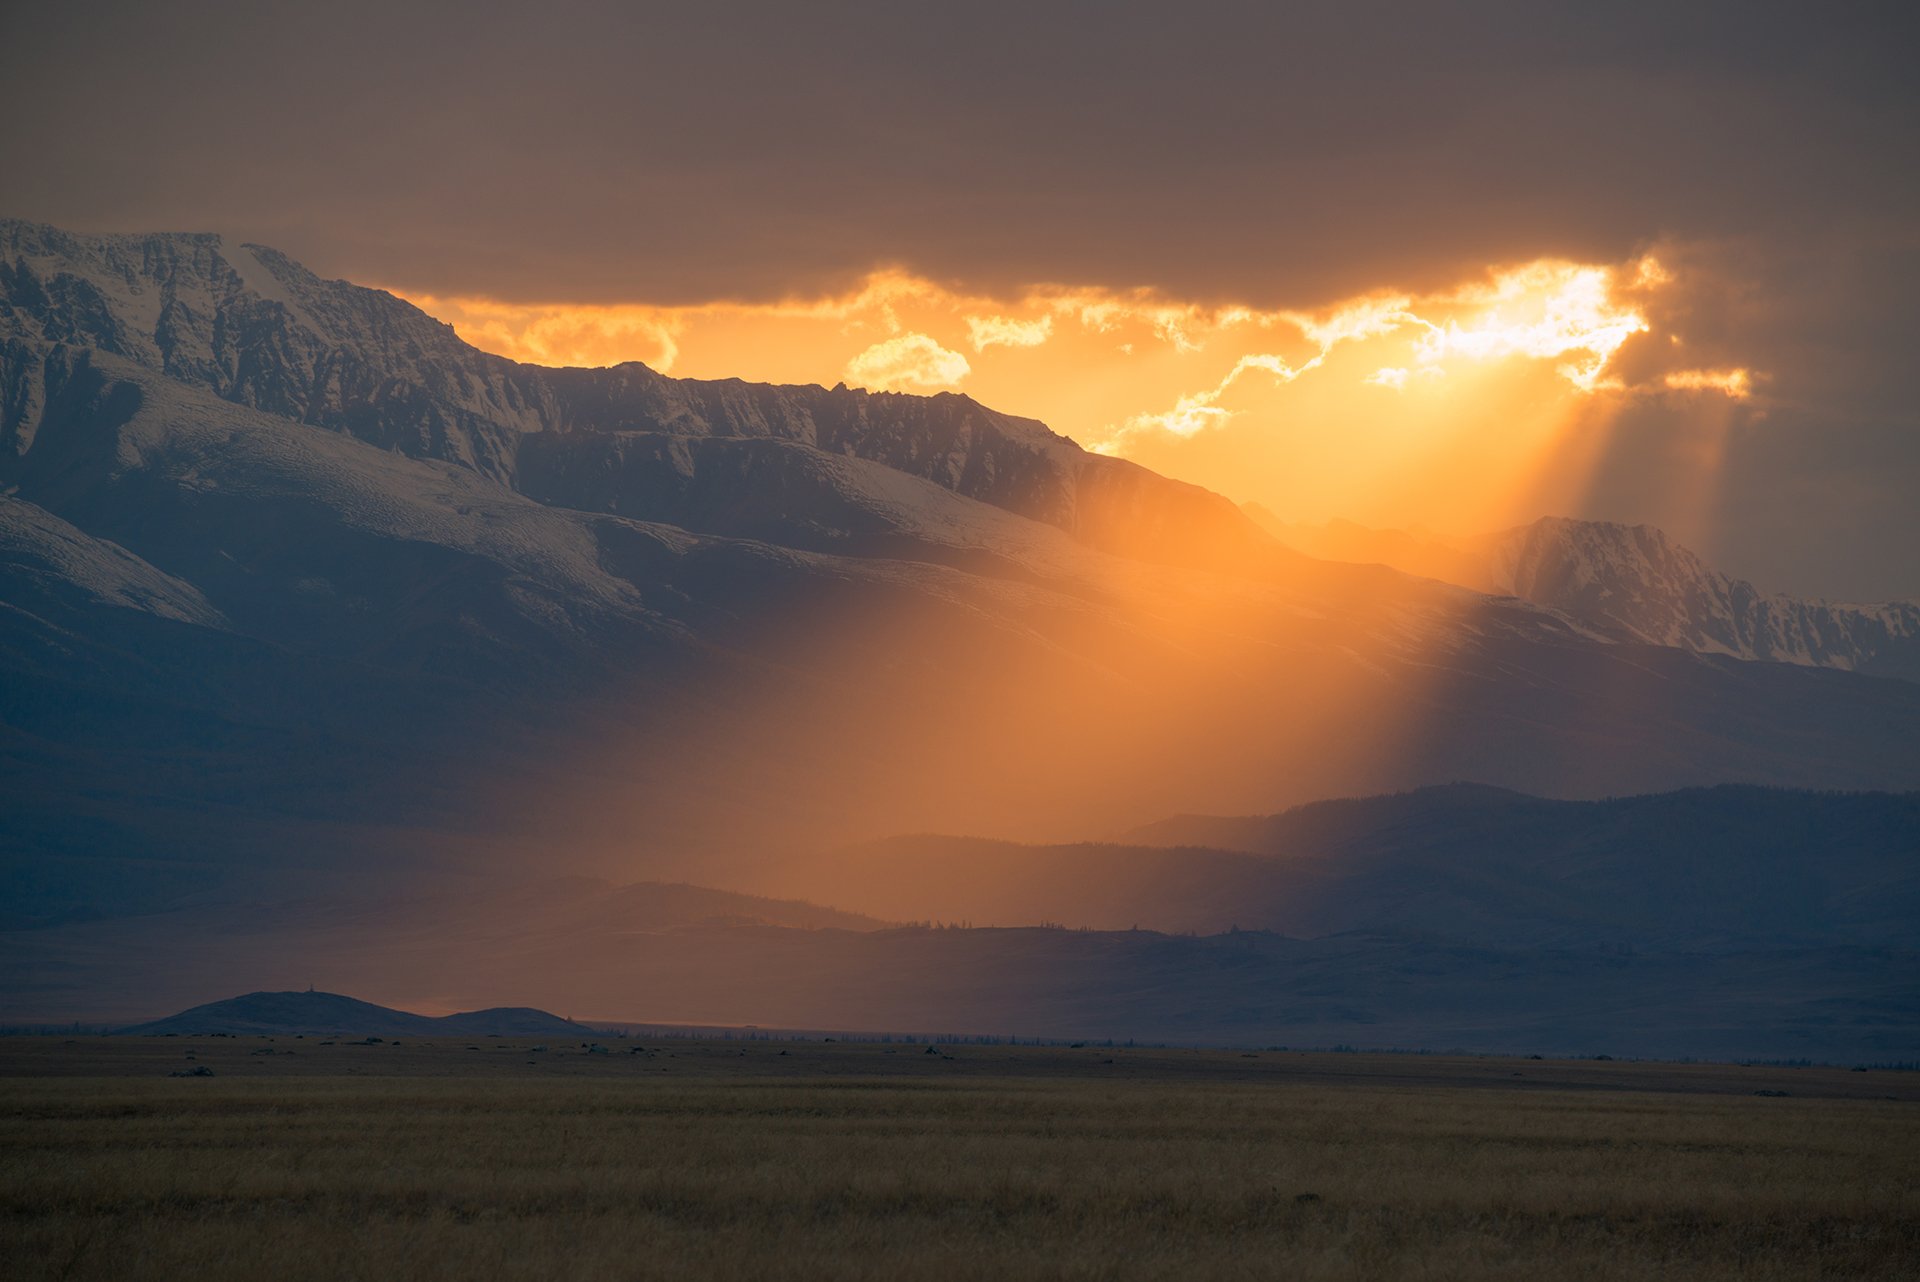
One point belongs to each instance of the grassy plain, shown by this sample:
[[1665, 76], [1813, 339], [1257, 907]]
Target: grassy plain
[[487, 1159]]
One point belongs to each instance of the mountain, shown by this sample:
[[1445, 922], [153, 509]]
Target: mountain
[[301, 594], [331, 1014], [1632, 583], [1700, 870], [252, 327], [1635, 583]]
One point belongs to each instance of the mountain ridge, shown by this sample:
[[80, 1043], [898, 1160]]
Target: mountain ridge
[[1700, 870]]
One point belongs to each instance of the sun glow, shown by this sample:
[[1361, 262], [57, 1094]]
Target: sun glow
[[1541, 311], [1450, 408], [1455, 411]]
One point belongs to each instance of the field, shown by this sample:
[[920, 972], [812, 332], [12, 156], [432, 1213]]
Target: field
[[489, 1159]]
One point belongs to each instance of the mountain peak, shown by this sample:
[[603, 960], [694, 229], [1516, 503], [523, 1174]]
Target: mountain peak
[[1636, 583]]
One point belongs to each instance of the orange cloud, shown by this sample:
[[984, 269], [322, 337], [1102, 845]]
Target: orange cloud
[[1394, 376], [1734, 384], [1198, 411], [907, 362], [1002, 331]]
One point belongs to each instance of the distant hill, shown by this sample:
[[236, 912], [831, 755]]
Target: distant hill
[[331, 1013], [1722, 922], [1699, 869], [1246, 988]]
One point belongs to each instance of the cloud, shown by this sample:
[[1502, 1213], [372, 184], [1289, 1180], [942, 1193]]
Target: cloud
[[990, 331], [1358, 318], [907, 362], [1539, 310], [1562, 308], [1393, 376], [1734, 384], [1199, 411]]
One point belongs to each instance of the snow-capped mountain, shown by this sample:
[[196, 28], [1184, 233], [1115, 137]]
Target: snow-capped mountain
[[255, 328], [1632, 581]]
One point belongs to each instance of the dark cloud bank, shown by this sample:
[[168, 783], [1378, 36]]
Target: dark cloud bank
[[599, 152]]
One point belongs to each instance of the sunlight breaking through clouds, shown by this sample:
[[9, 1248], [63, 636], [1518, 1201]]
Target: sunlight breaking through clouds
[[898, 330], [1542, 311], [1445, 400]]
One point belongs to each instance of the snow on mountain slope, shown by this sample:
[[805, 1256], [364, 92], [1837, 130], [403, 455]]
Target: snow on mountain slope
[[252, 327], [258, 329], [43, 556], [788, 493], [310, 538], [1635, 582]]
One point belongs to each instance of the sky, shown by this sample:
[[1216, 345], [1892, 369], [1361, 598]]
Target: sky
[[1446, 266]]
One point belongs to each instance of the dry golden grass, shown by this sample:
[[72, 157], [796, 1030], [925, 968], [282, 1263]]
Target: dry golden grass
[[1068, 1175]]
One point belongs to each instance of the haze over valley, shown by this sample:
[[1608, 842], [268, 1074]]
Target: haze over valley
[[327, 631]]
